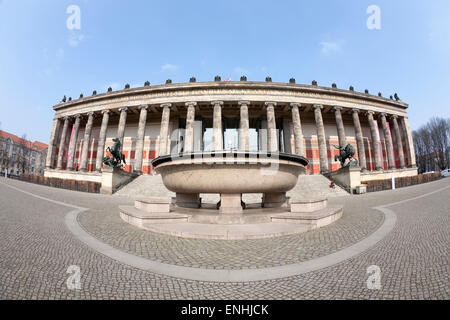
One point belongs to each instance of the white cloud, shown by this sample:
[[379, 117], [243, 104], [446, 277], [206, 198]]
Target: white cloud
[[329, 47], [75, 38], [169, 67]]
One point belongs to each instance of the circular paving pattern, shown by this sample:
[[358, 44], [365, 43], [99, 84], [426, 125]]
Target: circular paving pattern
[[36, 248], [354, 226]]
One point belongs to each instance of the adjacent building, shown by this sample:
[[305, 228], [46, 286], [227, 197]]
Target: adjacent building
[[18, 155]]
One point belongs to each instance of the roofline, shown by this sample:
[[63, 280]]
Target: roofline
[[230, 85]]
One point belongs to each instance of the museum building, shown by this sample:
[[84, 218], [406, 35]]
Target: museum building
[[305, 120]]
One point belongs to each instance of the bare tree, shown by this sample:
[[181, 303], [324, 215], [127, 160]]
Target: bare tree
[[432, 145]]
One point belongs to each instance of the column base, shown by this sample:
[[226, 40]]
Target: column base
[[188, 200]]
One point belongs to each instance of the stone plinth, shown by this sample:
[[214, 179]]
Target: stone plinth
[[347, 177], [114, 178], [153, 205], [230, 204], [274, 200], [188, 200], [307, 205]]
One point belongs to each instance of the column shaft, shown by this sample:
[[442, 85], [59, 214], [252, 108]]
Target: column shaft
[[272, 140], [73, 143], [340, 127], [388, 142], [323, 154], [409, 142], [375, 143], [164, 130], [122, 123], [190, 120], [86, 142], [101, 141], [298, 134], [52, 143], [62, 143], [401, 156], [217, 126], [359, 140], [244, 133], [140, 139]]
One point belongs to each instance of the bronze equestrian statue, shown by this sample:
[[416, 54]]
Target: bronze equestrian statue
[[117, 157], [345, 153]]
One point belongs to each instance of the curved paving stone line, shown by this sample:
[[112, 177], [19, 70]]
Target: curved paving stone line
[[354, 226], [230, 275], [37, 247]]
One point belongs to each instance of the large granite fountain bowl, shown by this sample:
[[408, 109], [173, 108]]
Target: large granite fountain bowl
[[230, 172]]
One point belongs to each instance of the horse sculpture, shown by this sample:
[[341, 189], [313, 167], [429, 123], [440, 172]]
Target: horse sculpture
[[345, 153], [117, 157]]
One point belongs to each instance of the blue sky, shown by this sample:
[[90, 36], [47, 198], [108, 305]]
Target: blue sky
[[133, 41]]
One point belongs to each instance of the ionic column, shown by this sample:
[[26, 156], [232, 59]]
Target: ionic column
[[190, 119], [297, 124], [321, 138], [164, 131], [101, 141], [140, 139], [272, 141], [244, 133], [52, 143], [217, 125], [375, 143], [61, 144], [409, 141], [86, 142], [122, 122], [401, 156], [359, 140], [73, 143], [387, 140], [340, 126]]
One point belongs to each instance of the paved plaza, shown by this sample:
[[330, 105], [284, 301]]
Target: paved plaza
[[43, 231]]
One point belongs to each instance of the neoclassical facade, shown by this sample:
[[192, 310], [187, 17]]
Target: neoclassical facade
[[307, 120]]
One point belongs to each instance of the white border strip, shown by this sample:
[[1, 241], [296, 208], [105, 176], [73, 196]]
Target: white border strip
[[217, 275]]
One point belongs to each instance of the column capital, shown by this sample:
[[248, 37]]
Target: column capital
[[317, 106], [382, 115], [356, 110], [217, 102], [66, 118], [123, 109], [143, 106], [295, 104], [393, 116], [166, 105], [270, 104], [336, 108], [91, 114], [190, 103], [107, 111], [243, 103], [370, 113], [77, 116]]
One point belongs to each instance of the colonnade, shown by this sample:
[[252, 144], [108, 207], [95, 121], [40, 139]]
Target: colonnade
[[399, 131]]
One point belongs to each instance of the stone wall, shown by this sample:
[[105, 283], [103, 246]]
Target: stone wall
[[380, 185], [70, 184]]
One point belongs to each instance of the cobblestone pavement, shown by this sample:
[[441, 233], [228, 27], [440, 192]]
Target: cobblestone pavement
[[355, 225], [36, 249]]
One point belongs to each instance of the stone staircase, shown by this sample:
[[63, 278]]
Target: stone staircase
[[308, 186]]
